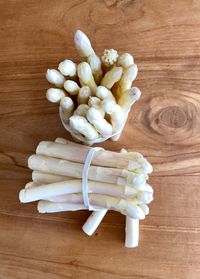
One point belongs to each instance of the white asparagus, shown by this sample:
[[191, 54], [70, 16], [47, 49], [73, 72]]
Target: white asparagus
[[95, 64], [116, 113], [83, 95], [67, 106], [54, 95], [94, 116], [131, 226], [58, 178], [125, 60], [55, 77], [111, 77], [58, 191], [125, 207], [67, 68], [52, 207], [73, 169], [103, 93], [40, 178], [131, 232], [82, 44], [81, 110], [109, 57], [44, 178], [125, 83], [129, 97], [71, 87], [93, 221], [81, 125], [85, 76], [126, 100], [95, 102], [76, 152]]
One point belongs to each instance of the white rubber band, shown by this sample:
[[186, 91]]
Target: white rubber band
[[86, 167]]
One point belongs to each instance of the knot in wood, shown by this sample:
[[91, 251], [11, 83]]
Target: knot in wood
[[173, 116]]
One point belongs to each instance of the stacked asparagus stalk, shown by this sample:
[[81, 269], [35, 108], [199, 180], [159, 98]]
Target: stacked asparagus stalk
[[116, 181], [95, 96]]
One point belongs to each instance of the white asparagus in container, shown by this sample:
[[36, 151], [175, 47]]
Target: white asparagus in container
[[108, 77]]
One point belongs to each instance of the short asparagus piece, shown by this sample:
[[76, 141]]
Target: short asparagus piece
[[83, 95], [85, 76], [103, 93], [93, 221], [116, 113], [95, 102], [71, 87], [67, 106], [94, 116], [55, 77], [67, 68], [81, 125], [131, 232], [125, 83], [95, 64], [129, 98], [111, 77], [125, 60], [54, 95]]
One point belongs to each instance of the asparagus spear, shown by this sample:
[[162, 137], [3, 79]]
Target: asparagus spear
[[74, 186], [54, 95], [125, 207], [55, 77], [132, 161], [72, 169]]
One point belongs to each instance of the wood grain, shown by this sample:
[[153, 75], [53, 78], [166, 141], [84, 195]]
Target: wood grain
[[164, 37]]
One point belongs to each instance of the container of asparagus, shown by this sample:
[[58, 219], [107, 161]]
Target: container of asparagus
[[116, 181], [96, 95]]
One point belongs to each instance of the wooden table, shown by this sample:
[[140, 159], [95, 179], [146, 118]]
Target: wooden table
[[164, 37]]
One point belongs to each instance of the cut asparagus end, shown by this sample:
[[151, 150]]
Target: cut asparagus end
[[94, 221], [131, 233]]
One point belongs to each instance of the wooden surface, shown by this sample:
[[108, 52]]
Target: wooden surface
[[164, 37]]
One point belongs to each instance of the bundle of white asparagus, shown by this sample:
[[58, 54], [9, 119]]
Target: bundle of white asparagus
[[116, 181], [95, 96]]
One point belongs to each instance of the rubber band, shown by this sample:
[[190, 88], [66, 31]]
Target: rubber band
[[86, 167]]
